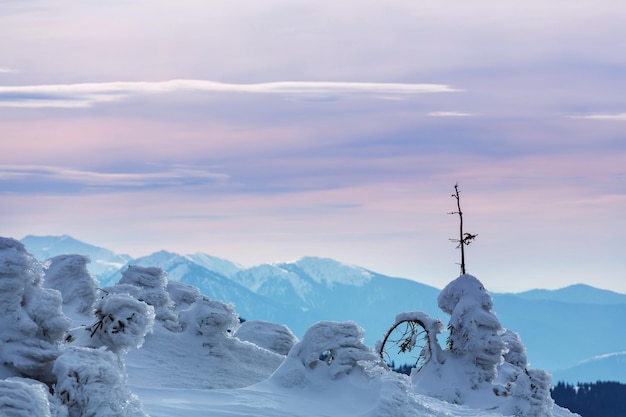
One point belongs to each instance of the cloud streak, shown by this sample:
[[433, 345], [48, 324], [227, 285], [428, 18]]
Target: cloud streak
[[171, 176], [449, 114], [88, 94], [614, 116]]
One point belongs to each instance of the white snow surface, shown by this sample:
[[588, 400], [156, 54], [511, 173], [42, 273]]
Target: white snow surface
[[202, 368]]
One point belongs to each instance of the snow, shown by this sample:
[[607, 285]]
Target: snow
[[69, 275], [92, 382], [330, 272], [219, 265], [271, 336], [130, 360]]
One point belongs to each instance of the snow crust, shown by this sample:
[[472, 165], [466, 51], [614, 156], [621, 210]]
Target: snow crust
[[158, 348]]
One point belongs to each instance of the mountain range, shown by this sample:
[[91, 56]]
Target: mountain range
[[572, 332]]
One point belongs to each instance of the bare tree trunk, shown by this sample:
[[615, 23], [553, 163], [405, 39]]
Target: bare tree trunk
[[461, 240]]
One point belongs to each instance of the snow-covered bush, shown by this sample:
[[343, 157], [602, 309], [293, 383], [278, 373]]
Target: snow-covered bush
[[32, 324], [330, 350], [210, 319], [69, 275], [271, 336], [530, 396], [152, 281], [475, 331], [92, 382], [21, 397], [515, 349], [183, 295], [123, 323]]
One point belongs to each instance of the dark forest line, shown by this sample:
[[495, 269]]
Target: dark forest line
[[596, 399]]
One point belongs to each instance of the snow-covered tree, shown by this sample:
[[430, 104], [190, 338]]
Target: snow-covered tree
[[212, 320], [122, 323], [92, 382], [32, 324], [21, 397], [152, 282], [530, 396], [272, 336], [330, 350], [69, 275], [475, 331], [183, 295], [515, 349]]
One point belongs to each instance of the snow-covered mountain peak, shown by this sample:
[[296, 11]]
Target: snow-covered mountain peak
[[104, 262], [330, 272], [257, 276], [212, 263]]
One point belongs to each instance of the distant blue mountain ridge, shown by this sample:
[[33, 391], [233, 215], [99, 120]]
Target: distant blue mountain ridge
[[562, 329]]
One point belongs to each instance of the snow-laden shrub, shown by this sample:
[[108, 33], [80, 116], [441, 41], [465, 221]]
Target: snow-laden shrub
[[530, 396], [271, 336], [123, 323], [152, 281], [475, 331], [69, 275], [515, 362], [183, 295], [210, 319], [330, 350], [92, 382], [32, 324], [124, 289], [516, 351], [21, 397]]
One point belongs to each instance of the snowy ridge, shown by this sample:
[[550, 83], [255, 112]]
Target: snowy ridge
[[215, 264], [330, 272], [104, 262], [276, 282], [607, 367]]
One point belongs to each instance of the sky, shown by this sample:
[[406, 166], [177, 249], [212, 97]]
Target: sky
[[264, 131]]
